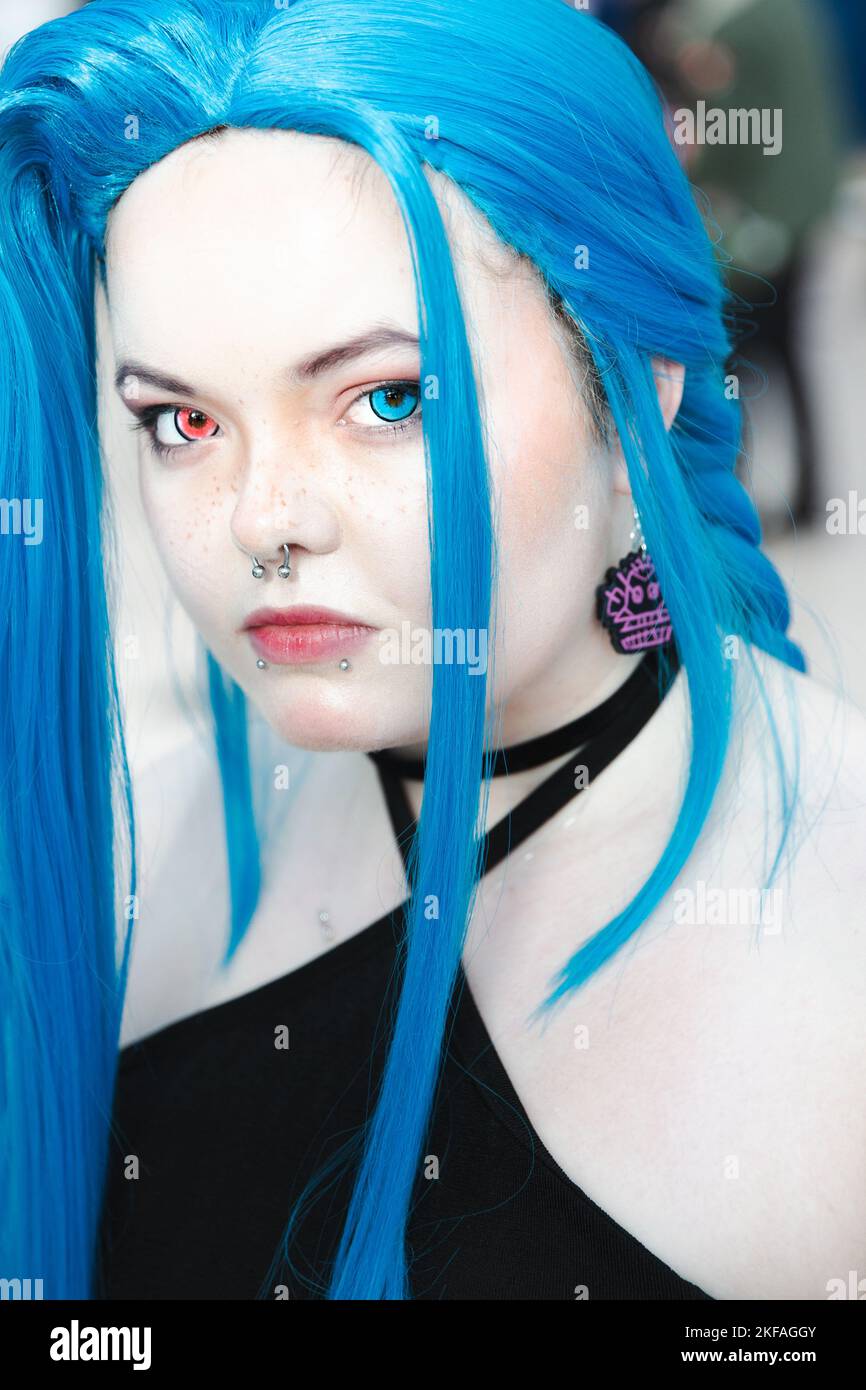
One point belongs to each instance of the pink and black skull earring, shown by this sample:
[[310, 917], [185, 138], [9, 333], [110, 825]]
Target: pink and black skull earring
[[629, 602]]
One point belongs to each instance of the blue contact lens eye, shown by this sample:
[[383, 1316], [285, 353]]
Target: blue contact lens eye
[[394, 402]]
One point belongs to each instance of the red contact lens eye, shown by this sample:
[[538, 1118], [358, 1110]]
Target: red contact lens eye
[[194, 423]]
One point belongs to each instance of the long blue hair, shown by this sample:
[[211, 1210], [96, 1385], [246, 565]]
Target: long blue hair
[[556, 133]]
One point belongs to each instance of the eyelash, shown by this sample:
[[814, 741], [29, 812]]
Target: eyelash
[[149, 415]]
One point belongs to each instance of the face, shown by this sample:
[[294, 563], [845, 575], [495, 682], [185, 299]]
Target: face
[[263, 318]]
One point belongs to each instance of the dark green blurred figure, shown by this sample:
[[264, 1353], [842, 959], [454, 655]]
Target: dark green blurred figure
[[774, 56]]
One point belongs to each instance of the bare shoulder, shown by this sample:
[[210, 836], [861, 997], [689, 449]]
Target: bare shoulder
[[819, 736], [830, 719], [813, 978]]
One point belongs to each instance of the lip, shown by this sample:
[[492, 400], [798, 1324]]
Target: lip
[[304, 635]]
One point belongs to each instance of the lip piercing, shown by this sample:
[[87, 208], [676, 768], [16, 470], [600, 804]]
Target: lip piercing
[[344, 665]]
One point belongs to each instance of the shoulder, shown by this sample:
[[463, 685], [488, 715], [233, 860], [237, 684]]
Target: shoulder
[[813, 971], [793, 793], [803, 771], [793, 723], [822, 713]]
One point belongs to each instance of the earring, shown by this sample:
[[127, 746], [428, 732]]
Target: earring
[[629, 602]]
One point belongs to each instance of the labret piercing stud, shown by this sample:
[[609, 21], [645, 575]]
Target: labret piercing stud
[[344, 665]]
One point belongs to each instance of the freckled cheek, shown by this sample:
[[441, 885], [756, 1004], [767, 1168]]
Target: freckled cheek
[[186, 519], [386, 528]]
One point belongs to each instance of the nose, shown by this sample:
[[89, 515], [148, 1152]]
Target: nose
[[277, 518]]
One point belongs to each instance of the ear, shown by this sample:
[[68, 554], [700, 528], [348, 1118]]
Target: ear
[[670, 379]]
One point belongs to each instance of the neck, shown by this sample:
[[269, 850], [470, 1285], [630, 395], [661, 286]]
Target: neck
[[538, 708]]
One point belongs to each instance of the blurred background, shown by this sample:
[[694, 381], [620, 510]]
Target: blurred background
[[793, 224], [793, 228]]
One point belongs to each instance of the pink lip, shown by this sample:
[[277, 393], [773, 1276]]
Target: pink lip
[[303, 635]]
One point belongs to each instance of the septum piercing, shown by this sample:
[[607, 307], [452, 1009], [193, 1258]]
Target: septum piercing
[[285, 568]]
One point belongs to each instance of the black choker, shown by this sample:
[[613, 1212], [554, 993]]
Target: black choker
[[535, 752]]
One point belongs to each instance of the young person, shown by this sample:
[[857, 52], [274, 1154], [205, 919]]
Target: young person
[[550, 985]]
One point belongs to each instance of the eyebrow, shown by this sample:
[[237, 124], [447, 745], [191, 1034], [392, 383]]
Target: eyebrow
[[372, 340]]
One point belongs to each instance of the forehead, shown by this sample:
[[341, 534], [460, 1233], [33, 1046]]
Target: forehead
[[270, 234]]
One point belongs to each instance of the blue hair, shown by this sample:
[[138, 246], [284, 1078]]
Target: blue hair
[[554, 130]]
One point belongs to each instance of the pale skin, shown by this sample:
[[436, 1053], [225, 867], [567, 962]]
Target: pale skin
[[716, 1112]]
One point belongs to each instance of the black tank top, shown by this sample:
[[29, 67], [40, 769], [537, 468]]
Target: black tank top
[[228, 1130]]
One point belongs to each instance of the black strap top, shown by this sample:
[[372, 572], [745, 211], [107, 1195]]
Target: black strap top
[[225, 1131]]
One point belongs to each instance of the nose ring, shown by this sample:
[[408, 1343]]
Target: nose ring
[[285, 568]]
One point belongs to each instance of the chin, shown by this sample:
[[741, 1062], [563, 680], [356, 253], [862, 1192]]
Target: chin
[[330, 721]]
